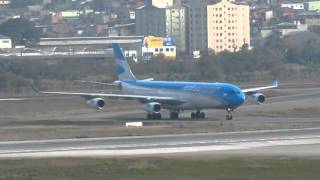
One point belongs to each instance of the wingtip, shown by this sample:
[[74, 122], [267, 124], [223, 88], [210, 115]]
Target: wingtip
[[35, 89], [276, 83]]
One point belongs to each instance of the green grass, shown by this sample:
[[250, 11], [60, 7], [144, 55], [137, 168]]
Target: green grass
[[159, 169]]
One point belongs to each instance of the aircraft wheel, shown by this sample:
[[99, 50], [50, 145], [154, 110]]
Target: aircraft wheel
[[174, 115], [193, 115], [202, 115], [229, 117], [157, 116]]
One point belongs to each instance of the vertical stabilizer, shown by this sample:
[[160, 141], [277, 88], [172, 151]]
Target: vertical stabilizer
[[122, 67]]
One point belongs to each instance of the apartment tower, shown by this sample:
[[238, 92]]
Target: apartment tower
[[228, 26]]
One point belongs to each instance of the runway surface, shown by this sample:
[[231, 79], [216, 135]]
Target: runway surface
[[289, 141]]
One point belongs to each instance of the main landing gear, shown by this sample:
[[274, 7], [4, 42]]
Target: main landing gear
[[229, 115], [198, 115], [155, 116], [174, 115]]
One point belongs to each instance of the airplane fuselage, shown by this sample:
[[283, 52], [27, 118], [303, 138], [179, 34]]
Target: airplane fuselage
[[192, 95]]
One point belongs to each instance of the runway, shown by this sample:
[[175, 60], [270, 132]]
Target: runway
[[290, 140]]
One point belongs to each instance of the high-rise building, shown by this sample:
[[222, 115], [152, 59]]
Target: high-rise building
[[228, 26], [197, 24], [150, 20], [176, 25]]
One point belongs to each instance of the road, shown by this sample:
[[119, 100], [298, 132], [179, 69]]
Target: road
[[292, 140]]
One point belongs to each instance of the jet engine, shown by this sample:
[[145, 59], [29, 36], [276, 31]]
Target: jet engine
[[97, 103], [259, 98], [152, 107]]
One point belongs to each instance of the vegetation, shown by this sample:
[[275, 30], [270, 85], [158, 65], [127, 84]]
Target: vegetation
[[24, 3], [276, 60], [157, 168], [20, 30]]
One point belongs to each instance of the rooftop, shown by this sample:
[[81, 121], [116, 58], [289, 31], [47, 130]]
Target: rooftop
[[4, 37]]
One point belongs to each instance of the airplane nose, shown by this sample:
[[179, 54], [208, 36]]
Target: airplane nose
[[242, 97]]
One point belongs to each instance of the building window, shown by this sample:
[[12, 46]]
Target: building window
[[172, 49], [167, 49], [161, 49], [157, 50]]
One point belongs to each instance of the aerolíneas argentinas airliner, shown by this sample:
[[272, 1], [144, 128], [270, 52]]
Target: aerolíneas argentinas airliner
[[175, 96]]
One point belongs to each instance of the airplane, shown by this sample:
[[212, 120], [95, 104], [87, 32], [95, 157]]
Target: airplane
[[175, 96]]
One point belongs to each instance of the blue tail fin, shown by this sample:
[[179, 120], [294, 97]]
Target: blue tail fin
[[122, 67]]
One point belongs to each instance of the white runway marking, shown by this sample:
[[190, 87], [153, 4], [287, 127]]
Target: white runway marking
[[163, 144], [84, 152]]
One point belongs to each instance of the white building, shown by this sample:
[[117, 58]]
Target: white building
[[162, 3], [5, 2], [159, 46], [286, 29], [295, 6], [5, 42]]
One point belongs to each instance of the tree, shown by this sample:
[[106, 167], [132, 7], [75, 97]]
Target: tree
[[20, 30], [23, 3], [99, 5], [315, 29]]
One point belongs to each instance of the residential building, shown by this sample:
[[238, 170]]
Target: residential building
[[295, 6], [197, 26], [5, 2], [176, 25], [159, 46], [286, 28], [150, 20], [162, 3], [228, 26], [312, 6], [5, 42]]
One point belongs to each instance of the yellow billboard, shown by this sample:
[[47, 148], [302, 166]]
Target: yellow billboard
[[152, 41]]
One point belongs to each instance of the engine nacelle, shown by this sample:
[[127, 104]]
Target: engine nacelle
[[97, 103], [259, 98], [152, 107]]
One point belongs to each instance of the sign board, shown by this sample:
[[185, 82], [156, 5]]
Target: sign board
[[134, 124], [152, 41]]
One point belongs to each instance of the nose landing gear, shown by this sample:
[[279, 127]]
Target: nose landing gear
[[229, 115]]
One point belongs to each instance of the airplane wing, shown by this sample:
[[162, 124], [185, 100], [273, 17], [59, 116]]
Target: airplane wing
[[168, 100], [12, 99], [275, 84], [96, 82]]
